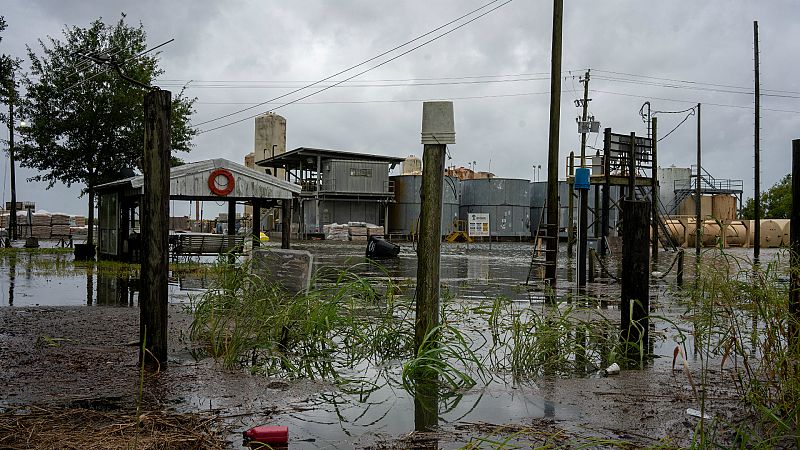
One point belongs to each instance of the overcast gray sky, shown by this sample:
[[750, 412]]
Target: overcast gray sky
[[495, 69]]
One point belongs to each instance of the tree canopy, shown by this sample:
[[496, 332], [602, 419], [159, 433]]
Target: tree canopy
[[776, 202], [86, 123], [8, 65]]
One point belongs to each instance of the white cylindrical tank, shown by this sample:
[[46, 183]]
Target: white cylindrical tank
[[771, 233], [412, 165], [712, 233]]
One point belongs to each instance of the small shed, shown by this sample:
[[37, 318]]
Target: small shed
[[212, 180]]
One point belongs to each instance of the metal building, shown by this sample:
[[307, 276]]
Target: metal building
[[506, 200], [404, 212], [337, 186]]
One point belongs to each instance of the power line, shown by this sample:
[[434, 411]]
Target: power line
[[373, 67], [693, 101], [409, 100], [697, 88], [349, 68], [691, 113], [693, 82], [349, 85]]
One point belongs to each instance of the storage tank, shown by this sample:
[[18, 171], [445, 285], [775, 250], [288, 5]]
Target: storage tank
[[771, 233], [506, 200], [785, 231], [677, 231], [411, 166], [736, 234], [706, 206], [712, 233], [671, 178], [723, 207], [404, 212]]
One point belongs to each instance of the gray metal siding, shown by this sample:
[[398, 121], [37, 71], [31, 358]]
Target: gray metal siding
[[336, 177], [507, 201], [404, 213]]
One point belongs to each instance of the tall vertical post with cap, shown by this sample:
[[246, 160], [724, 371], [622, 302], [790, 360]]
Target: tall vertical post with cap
[[438, 130]]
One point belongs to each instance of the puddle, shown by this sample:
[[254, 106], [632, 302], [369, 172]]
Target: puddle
[[337, 418]]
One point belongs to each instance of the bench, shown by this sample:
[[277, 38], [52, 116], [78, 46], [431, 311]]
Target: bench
[[198, 244]]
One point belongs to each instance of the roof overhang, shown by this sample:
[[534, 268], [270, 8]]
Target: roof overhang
[[306, 157], [191, 181]]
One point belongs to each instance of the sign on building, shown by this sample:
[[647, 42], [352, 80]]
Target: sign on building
[[478, 224]]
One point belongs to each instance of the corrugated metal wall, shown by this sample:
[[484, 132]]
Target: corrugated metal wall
[[539, 195], [404, 213], [506, 200], [341, 212], [344, 176]]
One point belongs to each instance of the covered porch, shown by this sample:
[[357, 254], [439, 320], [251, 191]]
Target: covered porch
[[217, 180]]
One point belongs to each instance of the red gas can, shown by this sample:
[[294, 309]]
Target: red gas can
[[266, 434]]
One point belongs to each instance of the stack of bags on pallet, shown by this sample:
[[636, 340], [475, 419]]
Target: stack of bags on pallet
[[60, 225], [358, 231], [78, 225], [4, 215], [374, 230], [41, 222], [336, 232]]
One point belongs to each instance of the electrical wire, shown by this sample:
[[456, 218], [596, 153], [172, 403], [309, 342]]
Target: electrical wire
[[345, 70], [369, 69], [693, 82], [692, 101], [409, 100], [691, 113], [110, 67], [348, 85]]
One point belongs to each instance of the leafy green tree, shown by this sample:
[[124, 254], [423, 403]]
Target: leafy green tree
[[86, 121], [776, 202], [8, 65]]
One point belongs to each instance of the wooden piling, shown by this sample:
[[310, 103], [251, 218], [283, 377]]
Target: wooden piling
[[256, 224], [430, 241], [286, 223], [635, 305], [592, 257], [680, 267], [794, 292], [155, 228]]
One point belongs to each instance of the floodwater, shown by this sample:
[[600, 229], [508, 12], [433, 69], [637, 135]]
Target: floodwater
[[470, 274]]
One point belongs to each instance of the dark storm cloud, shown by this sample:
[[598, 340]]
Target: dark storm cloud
[[268, 41]]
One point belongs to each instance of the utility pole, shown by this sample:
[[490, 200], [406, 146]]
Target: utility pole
[[12, 219], [552, 154], [757, 145], [654, 186], [698, 228], [586, 101]]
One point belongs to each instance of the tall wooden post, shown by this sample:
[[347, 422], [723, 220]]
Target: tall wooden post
[[757, 151], [12, 218], [698, 229], [606, 209], [155, 228], [430, 240], [654, 190], [632, 170], [794, 293], [635, 305], [571, 206], [286, 223], [551, 257], [256, 223]]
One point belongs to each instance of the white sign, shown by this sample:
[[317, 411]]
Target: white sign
[[478, 224]]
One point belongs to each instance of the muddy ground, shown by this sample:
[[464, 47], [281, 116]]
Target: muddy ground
[[62, 357]]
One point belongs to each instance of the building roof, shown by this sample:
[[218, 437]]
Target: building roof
[[191, 181], [294, 158]]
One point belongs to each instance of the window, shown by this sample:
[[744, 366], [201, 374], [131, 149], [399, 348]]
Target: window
[[355, 172]]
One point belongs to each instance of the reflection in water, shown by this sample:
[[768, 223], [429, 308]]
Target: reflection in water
[[115, 290], [89, 284], [12, 275], [426, 404]]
